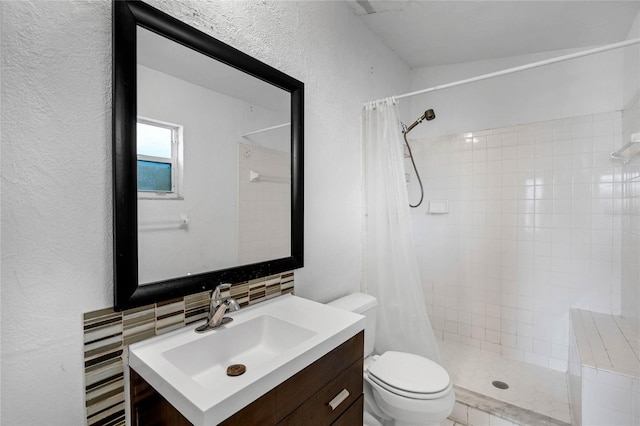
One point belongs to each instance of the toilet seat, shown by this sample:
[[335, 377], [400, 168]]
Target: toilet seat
[[409, 376]]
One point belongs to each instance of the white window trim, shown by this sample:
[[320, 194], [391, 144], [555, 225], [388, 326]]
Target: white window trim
[[177, 162]]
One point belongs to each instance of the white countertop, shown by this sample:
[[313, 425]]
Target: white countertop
[[175, 364]]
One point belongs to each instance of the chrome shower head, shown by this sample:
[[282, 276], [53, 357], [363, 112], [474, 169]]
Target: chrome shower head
[[428, 115]]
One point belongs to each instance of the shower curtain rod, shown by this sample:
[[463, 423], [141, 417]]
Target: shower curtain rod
[[255, 132], [524, 67]]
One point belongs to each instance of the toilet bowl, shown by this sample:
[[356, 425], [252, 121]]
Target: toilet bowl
[[400, 388]]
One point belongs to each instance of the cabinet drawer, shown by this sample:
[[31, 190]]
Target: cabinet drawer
[[298, 389], [342, 391], [347, 410], [354, 414]]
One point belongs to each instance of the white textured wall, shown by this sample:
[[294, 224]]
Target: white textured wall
[[56, 168], [56, 201]]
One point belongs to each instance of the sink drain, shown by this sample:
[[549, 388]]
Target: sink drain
[[500, 385], [236, 369]]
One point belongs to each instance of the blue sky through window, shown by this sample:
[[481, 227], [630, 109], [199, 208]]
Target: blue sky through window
[[153, 141]]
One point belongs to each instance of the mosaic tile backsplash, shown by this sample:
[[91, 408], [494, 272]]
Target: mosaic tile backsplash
[[107, 335]]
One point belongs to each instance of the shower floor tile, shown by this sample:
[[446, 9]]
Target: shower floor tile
[[531, 387]]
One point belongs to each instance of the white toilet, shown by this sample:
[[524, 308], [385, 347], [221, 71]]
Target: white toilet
[[400, 388]]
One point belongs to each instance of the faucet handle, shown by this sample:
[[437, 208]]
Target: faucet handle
[[215, 294], [232, 305]]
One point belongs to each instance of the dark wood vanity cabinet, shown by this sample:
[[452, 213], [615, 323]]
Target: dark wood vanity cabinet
[[303, 399]]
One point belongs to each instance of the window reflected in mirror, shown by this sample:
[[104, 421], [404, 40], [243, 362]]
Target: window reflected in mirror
[[158, 149], [233, 182]]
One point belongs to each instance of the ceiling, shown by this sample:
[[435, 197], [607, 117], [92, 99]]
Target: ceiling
[[429, 33], [164, 55]]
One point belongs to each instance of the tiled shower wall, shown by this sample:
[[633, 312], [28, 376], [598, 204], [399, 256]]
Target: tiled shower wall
[[532, 230], [107, 334], [264, 205], [630, 214]]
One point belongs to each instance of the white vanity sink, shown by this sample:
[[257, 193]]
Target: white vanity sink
[[251, 343], [273, 339]]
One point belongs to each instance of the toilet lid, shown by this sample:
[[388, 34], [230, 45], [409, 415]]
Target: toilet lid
[[409, 375]]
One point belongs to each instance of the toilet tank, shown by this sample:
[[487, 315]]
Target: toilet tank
[[362, 304]]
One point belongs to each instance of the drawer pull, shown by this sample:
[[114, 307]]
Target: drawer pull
[[339, 398]]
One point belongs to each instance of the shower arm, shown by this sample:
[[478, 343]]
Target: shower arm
[[406, 129]]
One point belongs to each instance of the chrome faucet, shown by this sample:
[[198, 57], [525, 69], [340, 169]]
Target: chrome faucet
[[217, 308]]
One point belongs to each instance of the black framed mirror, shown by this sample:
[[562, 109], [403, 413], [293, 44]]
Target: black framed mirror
[[166, 244]]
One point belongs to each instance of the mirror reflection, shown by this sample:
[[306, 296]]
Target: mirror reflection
[[214, 163]]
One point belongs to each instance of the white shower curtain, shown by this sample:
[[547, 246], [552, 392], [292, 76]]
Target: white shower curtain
[[390, 265]]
